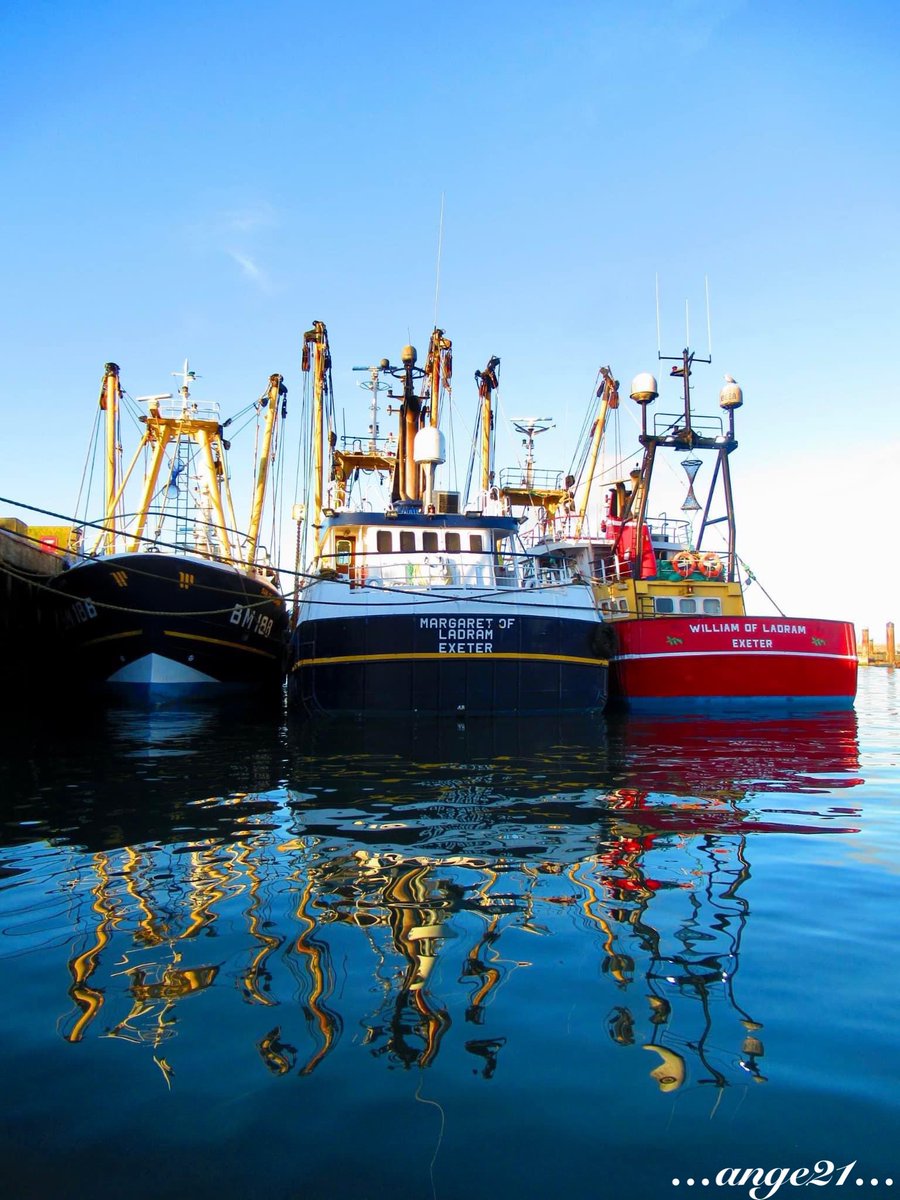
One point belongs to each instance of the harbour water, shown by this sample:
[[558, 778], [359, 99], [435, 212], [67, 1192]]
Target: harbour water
[[443, 961]]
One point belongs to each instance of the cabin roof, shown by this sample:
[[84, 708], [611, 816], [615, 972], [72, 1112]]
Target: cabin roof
[[420, 520]]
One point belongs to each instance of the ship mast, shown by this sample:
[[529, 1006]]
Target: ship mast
[[439, 370], [531, 427], [316, 339], [428, 448], [682, 436], [110, 391], [608, 395], [487, 384], [407, 481], [168, 428], [277, 391]]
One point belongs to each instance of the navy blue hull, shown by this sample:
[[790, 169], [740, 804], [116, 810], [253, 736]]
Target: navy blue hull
[[446, 664], [167, 627]]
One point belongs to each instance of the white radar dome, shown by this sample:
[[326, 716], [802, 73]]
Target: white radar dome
[[644, 388]]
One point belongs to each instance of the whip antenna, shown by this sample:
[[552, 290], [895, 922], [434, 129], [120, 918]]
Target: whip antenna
[[437, 282], [708, 319]]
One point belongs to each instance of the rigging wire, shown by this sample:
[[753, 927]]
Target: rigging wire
[[473, 454]]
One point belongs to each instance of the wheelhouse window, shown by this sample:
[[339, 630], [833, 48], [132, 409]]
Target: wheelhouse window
[[407, 540], [429, 540], [687, 606], [476, 542], [384, 541], [712, 606], [664, 604], [451, 541]]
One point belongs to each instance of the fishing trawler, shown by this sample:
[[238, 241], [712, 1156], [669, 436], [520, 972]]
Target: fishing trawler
[[683, 635], [409, 604], [170, 602]]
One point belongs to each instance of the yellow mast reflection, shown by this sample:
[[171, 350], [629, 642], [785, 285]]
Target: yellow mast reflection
[[257, 978], [315, 954], [653, 886], [82, 966]]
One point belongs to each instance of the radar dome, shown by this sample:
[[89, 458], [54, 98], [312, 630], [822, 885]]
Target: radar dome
[[644, 388], [731, 395]]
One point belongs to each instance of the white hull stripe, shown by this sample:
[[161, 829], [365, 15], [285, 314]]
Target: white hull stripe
[[736, 654]]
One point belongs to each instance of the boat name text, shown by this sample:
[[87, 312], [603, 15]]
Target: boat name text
[[746, 627], [78, 613], [252, 619], [471, 635]]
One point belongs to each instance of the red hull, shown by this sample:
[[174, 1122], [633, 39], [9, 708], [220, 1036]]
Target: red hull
[[672, 661]]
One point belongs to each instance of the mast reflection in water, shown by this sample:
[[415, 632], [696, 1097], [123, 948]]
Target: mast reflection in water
[[210, 909]]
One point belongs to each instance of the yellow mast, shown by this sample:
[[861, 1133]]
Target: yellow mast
[[207, 434], [276, 392], [439, 369], [317, 337], [161, 433], [608, 395], [487, 382], [155, 437], [166, 429], [109, 401]]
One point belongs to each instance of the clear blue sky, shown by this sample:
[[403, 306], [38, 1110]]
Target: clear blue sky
[[203, 180]]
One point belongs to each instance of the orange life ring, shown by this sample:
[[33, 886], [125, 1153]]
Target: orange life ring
[[711, 565], [684, 562]]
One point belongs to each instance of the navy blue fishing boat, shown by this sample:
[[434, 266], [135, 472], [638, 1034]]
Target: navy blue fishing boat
[[408, 604], [171, 602]]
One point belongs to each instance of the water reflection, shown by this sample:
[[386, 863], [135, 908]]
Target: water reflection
[[416, 886]]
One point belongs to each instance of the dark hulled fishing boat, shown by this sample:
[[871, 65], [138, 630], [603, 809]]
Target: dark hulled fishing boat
[[408, 604], [171, 602]]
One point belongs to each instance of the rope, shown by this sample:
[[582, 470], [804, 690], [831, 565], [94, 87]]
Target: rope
[[309, 576], [6, 569], [751, 578], [424, 1100], [154, 542]]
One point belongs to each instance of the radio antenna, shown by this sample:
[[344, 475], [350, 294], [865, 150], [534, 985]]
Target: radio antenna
[[658, 336], [708, 319], [437, 282]]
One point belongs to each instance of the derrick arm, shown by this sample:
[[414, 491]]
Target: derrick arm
[[215, 494], [608, 394], [487, 385], [276, 391], [110, 391], [155, 435], [315, 340]]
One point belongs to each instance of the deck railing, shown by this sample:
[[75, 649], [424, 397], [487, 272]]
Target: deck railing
[[430, 571]]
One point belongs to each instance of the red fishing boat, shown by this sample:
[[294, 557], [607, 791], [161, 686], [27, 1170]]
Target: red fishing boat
[[683, 635]]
